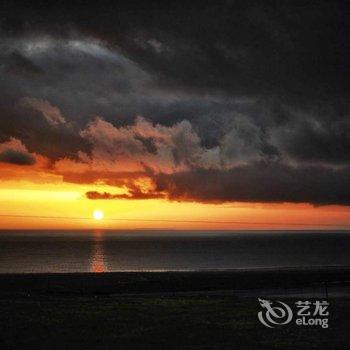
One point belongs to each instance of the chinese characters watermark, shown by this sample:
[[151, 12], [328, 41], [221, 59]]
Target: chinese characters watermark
[[305, 313]]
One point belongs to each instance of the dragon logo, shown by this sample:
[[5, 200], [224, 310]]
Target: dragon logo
[[274, 315]]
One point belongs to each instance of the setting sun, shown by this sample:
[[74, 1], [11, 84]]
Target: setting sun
[[98, 215]]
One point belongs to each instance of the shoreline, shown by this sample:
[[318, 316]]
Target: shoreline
[[232, 270], [175, 281]]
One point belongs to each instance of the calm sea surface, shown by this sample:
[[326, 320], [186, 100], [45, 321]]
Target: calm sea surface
[[100, 251]]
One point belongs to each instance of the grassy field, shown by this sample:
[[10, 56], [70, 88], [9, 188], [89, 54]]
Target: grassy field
[[111, 322], [160, 282]]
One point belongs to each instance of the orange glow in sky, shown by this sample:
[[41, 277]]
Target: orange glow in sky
[[60, 205]]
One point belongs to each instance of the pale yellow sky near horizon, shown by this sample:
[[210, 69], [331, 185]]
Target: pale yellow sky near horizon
[[64, 204]]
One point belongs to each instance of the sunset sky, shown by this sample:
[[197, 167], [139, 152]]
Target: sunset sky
[[192, 113]]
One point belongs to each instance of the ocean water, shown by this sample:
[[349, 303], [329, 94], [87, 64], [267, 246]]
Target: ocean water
[[103, 251]]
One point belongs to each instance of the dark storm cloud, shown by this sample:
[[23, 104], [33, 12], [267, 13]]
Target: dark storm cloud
[[309, 138], [299, 49], [17, 64], [245, 47], [36, 133], [16, 157], [134, 194], [259, 183], [252, 81]]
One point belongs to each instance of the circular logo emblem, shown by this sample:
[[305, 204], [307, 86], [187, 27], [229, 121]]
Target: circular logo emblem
[[275, 313]]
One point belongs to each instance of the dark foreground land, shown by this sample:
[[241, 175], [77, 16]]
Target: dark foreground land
[[167, 310]]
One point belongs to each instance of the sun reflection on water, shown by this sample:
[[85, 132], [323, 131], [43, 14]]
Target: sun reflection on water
[[97, 263]]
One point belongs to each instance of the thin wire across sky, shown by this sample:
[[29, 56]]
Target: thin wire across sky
[[257, 223]]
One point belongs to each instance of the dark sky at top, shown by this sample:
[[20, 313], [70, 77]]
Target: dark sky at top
[[246, 100]]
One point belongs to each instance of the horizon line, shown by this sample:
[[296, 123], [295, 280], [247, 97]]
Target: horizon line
[[234, 222]]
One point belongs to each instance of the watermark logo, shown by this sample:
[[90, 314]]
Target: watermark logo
[[306, 313], [274, 313]]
